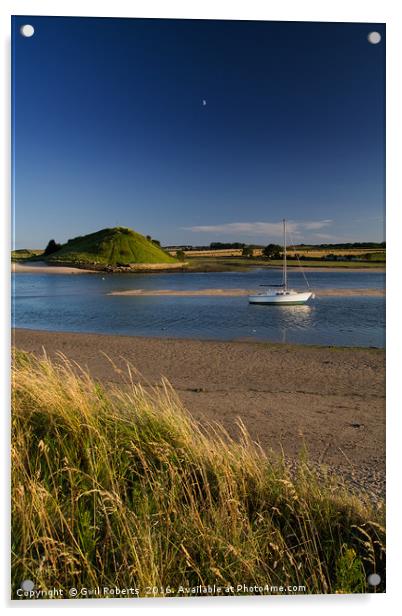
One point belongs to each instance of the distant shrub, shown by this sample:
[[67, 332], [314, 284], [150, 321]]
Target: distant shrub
[[272, 251], [247, 251], [51, 248], [225, 245]]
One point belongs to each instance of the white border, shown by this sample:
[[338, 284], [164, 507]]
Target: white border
[[287, 10]]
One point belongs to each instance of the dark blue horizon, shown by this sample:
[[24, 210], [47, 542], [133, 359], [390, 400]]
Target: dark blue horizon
[[196, 131]]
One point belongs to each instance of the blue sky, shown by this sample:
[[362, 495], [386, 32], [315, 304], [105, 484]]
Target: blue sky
[[198, 131]]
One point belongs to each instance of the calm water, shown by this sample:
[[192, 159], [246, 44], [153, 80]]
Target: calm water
[[80, 303]]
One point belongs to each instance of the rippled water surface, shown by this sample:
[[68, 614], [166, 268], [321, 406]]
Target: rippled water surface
[[81, 303]]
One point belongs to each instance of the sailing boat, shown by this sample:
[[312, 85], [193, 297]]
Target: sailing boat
[[283, 296]]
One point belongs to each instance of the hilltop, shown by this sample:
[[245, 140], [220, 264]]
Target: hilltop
[[115, 247]]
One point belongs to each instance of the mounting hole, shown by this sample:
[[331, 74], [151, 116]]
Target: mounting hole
[[27, 585], [374, 38], [27, 30], [374, 579]]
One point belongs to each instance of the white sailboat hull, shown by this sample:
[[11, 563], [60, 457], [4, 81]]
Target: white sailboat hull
[[284, 296], [288, 298]]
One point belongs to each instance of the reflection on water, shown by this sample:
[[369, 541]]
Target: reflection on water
[[82, 303], [287, 318]]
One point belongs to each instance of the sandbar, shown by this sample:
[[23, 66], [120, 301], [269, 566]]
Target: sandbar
[[244, 292]]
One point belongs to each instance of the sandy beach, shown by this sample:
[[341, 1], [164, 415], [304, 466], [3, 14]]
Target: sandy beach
[[41, 268], [329, 399], [244, 292]]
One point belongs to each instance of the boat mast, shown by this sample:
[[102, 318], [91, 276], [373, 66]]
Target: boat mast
[[285, 273]]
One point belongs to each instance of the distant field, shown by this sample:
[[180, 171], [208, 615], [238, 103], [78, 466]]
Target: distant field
[[24, 253], [232, 259], [229, 252], [338, 264], [307, 252], [227, 264]]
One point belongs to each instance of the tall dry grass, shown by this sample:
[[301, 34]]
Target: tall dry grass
[[121, 487]]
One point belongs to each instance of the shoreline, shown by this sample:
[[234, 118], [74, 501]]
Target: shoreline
[[19, 268], [329, 400], [42, 268], [241, 340], [241, 292]]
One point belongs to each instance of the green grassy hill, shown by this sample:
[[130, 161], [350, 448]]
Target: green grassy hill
[[117, 246]]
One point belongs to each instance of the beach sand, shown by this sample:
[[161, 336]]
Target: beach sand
[[245, 292], [330, 400], [41, 268]]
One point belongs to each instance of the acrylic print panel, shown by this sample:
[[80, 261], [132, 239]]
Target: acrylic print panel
[[198, 308]]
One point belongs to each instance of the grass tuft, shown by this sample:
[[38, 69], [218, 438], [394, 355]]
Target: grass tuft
[[121, 487]]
